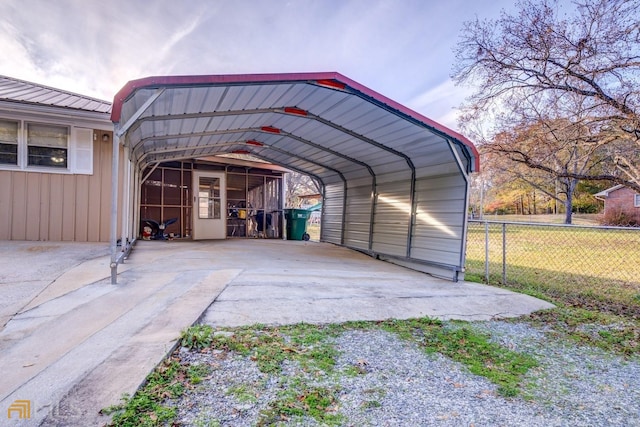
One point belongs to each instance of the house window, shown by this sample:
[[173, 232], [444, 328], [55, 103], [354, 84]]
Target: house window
[[47, 145], [8, 142], [637, 201]]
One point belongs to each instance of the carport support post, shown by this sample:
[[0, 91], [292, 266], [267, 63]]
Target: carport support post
[[114, 208], [126, 202]]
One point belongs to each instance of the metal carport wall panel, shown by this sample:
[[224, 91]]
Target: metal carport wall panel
[[395, 183]]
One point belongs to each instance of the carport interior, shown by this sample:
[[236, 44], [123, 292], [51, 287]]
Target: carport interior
[[394, 183], [253, 196]]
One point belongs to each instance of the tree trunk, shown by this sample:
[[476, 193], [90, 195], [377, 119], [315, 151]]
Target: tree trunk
[[568, 203], [535, 208]]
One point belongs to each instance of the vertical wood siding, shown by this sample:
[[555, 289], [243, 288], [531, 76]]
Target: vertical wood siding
[[56, 207]]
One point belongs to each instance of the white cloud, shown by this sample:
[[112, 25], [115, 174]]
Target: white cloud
[[94, 47], [440, 102]]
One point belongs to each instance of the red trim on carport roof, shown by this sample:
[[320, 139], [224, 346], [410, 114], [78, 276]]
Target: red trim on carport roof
[[164, 81]]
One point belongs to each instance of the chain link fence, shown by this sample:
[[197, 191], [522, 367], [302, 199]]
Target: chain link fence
[[600, 261]]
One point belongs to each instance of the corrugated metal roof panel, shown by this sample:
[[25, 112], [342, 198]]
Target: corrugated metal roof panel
[[15, 90], [367, 151]]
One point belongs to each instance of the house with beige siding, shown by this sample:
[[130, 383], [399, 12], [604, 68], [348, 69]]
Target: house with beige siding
[[55, 164]]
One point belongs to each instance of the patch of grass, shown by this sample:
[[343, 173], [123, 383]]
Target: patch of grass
[[269, 347], [371, 404], [145, 407], [482, 357], [197, 373], [302, 343], [203, 422], [353, 371], [374, 395], [263, 345], [299, 400], [499, 365], [617, 334], [243, 393], [411, 329], [589, 274], [312, 348], [586, 317], [588, 268]]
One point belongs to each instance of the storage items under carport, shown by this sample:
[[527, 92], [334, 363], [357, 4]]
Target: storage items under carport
[[254, 202], [296, 224], [254, 207]]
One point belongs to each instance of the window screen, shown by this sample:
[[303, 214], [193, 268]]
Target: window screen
[[8, 142], [47, 145]]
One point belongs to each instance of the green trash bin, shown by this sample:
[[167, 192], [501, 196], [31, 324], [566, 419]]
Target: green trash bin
[[296, 224]]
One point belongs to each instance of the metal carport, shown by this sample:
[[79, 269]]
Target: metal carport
[[394, 183]]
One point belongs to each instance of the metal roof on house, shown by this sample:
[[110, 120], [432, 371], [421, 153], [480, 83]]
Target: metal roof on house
[[21, 91]]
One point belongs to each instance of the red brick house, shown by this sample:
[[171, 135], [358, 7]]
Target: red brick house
[[621, 205]]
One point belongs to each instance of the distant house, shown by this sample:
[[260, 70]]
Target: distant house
[[621, 205]]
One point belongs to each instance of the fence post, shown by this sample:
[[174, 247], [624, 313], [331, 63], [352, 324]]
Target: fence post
[[486, 251], [504, 254]]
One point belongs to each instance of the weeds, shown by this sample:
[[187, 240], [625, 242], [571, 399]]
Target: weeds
[[617, 334], [197, 337], [311, 348], [482, 357], [299, 400], [197, 373], [243, 393], [145, 407]]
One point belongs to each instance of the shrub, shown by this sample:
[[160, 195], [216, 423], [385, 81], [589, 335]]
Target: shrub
[[620, 218]]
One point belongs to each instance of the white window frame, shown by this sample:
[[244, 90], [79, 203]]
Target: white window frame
[[17, 143], [636, 200], [79, 148], [26, 128]]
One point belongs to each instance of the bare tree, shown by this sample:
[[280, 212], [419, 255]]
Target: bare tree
[[557, 143], [534, 67], [298, 185]]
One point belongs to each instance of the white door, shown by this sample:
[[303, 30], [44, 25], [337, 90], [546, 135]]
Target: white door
[[210, 214]]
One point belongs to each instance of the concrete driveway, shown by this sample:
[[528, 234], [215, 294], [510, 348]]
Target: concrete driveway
[[71, 343]]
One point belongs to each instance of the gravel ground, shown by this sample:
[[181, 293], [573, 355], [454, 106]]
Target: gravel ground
[[401, 385]]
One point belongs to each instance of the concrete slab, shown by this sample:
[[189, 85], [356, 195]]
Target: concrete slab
[[322, 283], [28, 268], [73, 343]]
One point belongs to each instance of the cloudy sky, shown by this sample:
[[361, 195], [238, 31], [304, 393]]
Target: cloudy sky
[[402, 49]]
